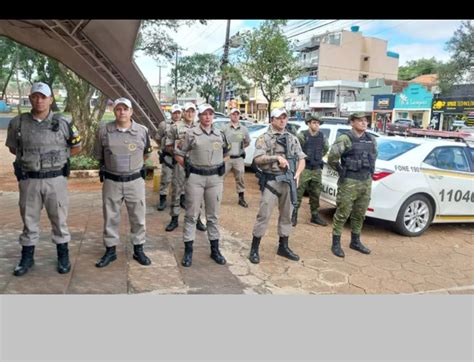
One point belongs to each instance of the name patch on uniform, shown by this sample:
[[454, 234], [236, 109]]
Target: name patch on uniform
[[132, 146]]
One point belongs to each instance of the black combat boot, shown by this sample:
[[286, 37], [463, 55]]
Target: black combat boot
[[200, 225], [26, 260], [182, 201], [216, 254], [242, 201], [173, 223], [140, 256], [316, 219], [188, 254], [108, 257], [294, 217], [254, 257], [64, 266], [357, 245], [336, 246], [284, 250], [162, 205]]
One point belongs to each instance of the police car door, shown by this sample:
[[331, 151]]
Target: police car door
[[449, 173]]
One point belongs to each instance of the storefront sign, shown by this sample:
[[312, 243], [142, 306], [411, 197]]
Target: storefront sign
[[384, 102], [454, 105], [415, 96]]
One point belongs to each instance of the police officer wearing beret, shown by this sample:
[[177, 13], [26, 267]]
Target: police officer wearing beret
[[122, 147], [42, 142], [353, 156], [205, 148], [273, 159], [315, 146]]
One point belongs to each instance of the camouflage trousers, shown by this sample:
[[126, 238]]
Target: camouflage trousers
[[310, 180], [353, 197]]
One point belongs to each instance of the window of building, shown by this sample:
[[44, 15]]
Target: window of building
[[300, 90], [366, 59], [363, 77], [327, 96]]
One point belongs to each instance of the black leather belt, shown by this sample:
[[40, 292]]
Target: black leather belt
[[220, 170], [122, 178], [309, 167], [42, 174], [241, 156]]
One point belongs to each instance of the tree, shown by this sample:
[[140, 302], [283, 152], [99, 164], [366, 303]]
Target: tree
[[415, 68], [268, 59], [200, 72], [7, 62], [460, 69]]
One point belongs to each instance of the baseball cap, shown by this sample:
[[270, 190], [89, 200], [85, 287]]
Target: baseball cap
[[176, 108], [234, 110], [40, 87], [124, 101], [356, 115], [278, 112], [189, 105], [204, 107]]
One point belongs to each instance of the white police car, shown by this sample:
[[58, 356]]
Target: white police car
[[417, 181]]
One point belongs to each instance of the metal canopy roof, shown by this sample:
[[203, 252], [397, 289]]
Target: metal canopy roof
[[100, 51]]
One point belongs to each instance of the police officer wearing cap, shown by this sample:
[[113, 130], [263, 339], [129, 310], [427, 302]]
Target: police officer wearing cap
[[315, 146], [205, 148], [238, 137], [42, 142], [271, 156], [121, 147], [166, 158], [353, 156]]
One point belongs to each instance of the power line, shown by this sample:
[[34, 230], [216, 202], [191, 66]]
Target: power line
[[316, 27]]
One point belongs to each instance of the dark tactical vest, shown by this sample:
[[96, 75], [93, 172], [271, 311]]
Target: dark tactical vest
[[359, 160], [43, 144], [313, 148]]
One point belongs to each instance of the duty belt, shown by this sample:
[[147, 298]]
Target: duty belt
[[45, 174], [122, 178], [207, 171], [241, 156], [312, 167]]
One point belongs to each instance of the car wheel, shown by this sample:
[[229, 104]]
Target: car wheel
[[414, 216]]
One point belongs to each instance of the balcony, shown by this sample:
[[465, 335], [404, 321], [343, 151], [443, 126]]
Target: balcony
[[308, 63], [302, 81]]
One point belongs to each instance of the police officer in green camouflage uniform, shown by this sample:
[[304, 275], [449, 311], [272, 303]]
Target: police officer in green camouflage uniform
[[315, 146], [122, 147], [271, 157], [42, 142], [205, 148], [353, 156], [166, 158], [238, 137]]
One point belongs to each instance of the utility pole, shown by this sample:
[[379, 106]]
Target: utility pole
[[176, 79], [225, 60], [159, 83]]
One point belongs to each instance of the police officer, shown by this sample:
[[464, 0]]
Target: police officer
[[205, 148], [42, 142], [166, 158], [238, 137], [271, 156], [353, 156], [315, 146], [175, 137], [121, 147]]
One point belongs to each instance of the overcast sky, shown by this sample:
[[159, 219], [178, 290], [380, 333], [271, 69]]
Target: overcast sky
[[412, 39]]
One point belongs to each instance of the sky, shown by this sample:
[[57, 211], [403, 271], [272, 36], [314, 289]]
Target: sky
[[411, 39]]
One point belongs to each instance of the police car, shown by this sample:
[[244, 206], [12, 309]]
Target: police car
[[417, 181]]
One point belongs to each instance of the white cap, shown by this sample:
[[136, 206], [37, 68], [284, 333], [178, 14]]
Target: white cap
[[176, 108], [40, 87], [234, 110], [124, 101], [278, 112], [189, 105], [204, 107]]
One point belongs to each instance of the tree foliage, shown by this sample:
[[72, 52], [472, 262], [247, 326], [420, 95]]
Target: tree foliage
[[415, 68]]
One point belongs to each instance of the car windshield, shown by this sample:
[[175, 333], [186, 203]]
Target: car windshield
[[390, 149], [256, 127]]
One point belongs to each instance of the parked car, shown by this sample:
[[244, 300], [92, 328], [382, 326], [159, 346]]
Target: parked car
[[417, 181], [220, 123], [401, 126], [335, 120]]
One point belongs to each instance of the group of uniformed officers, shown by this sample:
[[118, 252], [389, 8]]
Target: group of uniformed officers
[[195, 158]]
